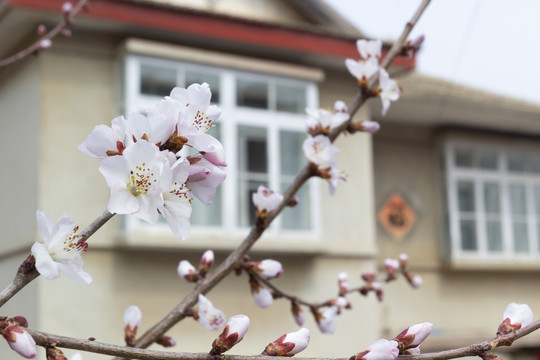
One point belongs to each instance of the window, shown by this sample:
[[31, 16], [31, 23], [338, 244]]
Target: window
[[262, 128], [493, 201]]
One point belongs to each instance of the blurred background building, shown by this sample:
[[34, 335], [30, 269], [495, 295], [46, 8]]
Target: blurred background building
[[452, 178]]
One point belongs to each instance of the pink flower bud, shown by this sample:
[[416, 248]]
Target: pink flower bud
[[288, 344], [207, 260], [18, 339], [298, 314], [45, 43], [166, 341], [268, 269], [370, 127], [417, 281], [326, 319], [381, 349], [343, 283], [67, 7], [340, 106], [54, 354], [515, 317], [187, 271], [132, 321], [403, 259], [391, 264], [232, 334], [41, 30], [413, 336], [262, 296], [369, 276]]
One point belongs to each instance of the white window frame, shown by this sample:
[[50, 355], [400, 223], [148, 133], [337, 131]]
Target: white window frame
[[232, 116], [504, 178]]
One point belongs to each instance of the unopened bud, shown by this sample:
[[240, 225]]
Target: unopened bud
[[326, 319], [232, 334], [381, 349], [413, 336], [207, 260], [21, 320], [288, 344], [262, 296], [268, 268], [343, 283], [18, 339], [187, 271], [298, 314], [54, 354], [515, 317], [417, 281], [166, 341], [293, 202], [132, 321], [369, 276], [67, 7], [403, 260], [45, 43], [340, 106], [41, 30]]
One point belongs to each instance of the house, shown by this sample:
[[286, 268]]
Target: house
[[265, 61]]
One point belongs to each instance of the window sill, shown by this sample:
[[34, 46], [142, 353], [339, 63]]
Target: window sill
[[495, 264]]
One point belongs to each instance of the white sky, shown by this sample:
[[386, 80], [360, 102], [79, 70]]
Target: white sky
[[488, 44]]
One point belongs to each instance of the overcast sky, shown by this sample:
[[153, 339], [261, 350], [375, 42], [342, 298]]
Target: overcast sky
[[489, 44]]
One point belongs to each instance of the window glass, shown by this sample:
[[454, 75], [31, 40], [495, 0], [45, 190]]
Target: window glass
[[252, 169], [494, 236], [517, 200], [491, 198], [487, 159], [521, 237], [297, 217], [466, 195], [464, 157], [156, 80], [517, 161], [468, 234], [253, 94], [291, 99]]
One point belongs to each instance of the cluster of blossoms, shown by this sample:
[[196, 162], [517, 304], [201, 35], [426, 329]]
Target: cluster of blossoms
[[145, 167], [394, 267], [318, 147], [368, 66]]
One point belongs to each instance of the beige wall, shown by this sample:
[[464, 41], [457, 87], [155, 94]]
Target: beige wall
[[465, 306]]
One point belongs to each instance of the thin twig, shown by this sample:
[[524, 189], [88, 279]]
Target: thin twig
[[68, 20], [234, 259], [45, 339]]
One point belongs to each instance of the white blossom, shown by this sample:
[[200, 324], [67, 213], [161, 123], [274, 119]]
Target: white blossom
[[266, 200], [389, 90], [209, 317], [319, 150]]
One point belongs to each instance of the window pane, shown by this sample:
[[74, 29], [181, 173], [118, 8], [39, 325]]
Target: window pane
[[534, 163], [491, 198], [298, 217], [537, 200], [466, 195], [157, 81], [468, 234], [464, 157], [494, 235], [516, 161], [521, 237], [252, 94], [291, 154], [487, 159], [517, 200], [199, 78], [291, 99]]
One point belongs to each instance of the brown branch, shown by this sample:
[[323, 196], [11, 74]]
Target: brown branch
[[27, 272], [234, 259], [68, 20], [45, 339]]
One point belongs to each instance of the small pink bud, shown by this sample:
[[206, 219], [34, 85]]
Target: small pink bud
[[262, 296], [340, 106], [298, 314], [21, 320], [343, 283], [288, 344], [268, 269], [55, 354], [67, 7], [132, 321], [413, 336], [370, 126], [381, 349], [187, 271], [417, 281], [515, 317], [166, 341], [403, 259], [326, 319], [41, 30], [232, 334], [45, 43], [207, 260], [369, 276], [18, 339]]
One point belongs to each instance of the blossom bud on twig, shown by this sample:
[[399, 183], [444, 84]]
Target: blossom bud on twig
[[381, 349], [262, 296], [265, 201], [207, 260], [232, 334], [515, 317], [343, 283], [132, 321], [403, 260], [54, 354], [187, 271], [391, 266], [209, 317], [44, 44], [41, 30], [326, 319], [268, 268], [166, 341], [298, 314], [67, 7], [340, 106], [413, 336], [18, 339], [288, 344]]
